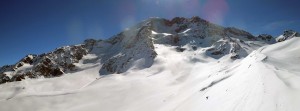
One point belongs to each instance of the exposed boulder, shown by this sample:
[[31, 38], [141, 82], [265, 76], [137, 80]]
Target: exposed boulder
[[194, 47], [180, 49], [4, 78]]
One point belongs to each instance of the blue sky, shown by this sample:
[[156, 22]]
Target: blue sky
[[39, 26]]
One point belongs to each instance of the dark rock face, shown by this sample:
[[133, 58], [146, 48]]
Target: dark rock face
[[4, 78], [267, 38], [220, 41], [288, 34], [181, 28], [128, 49], [178, 20], [175, 39], [51, 64], [28, 59], [229, 47], [233, 57], [238, 32], [218, 52], [194, 47], [182, 23], [180, 49]]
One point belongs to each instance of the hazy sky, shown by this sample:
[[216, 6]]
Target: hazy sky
[[38, 26]]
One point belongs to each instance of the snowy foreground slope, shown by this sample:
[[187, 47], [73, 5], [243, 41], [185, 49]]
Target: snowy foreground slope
[[219, 69], [266, 80]]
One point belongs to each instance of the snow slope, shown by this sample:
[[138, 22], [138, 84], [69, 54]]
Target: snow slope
[[265, 80]]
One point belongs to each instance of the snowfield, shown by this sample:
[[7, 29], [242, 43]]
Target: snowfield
[[268, 79]]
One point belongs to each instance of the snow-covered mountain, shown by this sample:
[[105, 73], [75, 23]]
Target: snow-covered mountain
[[119, 53], [183, 64]]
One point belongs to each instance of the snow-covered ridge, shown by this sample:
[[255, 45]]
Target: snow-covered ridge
[[135, 45], [287, 34], [50, 64]]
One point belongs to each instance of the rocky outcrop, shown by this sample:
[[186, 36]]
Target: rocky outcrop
[[4, 78], [219, 41], [182, 23], [267, 38], [287, 34], [51, 64]]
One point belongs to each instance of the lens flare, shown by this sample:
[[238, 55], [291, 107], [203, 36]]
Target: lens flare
[[215, 11], [127, 14], [211, 10], [75, 30]]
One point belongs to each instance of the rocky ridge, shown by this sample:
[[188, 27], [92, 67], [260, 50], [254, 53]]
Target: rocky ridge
[[287, 34]]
